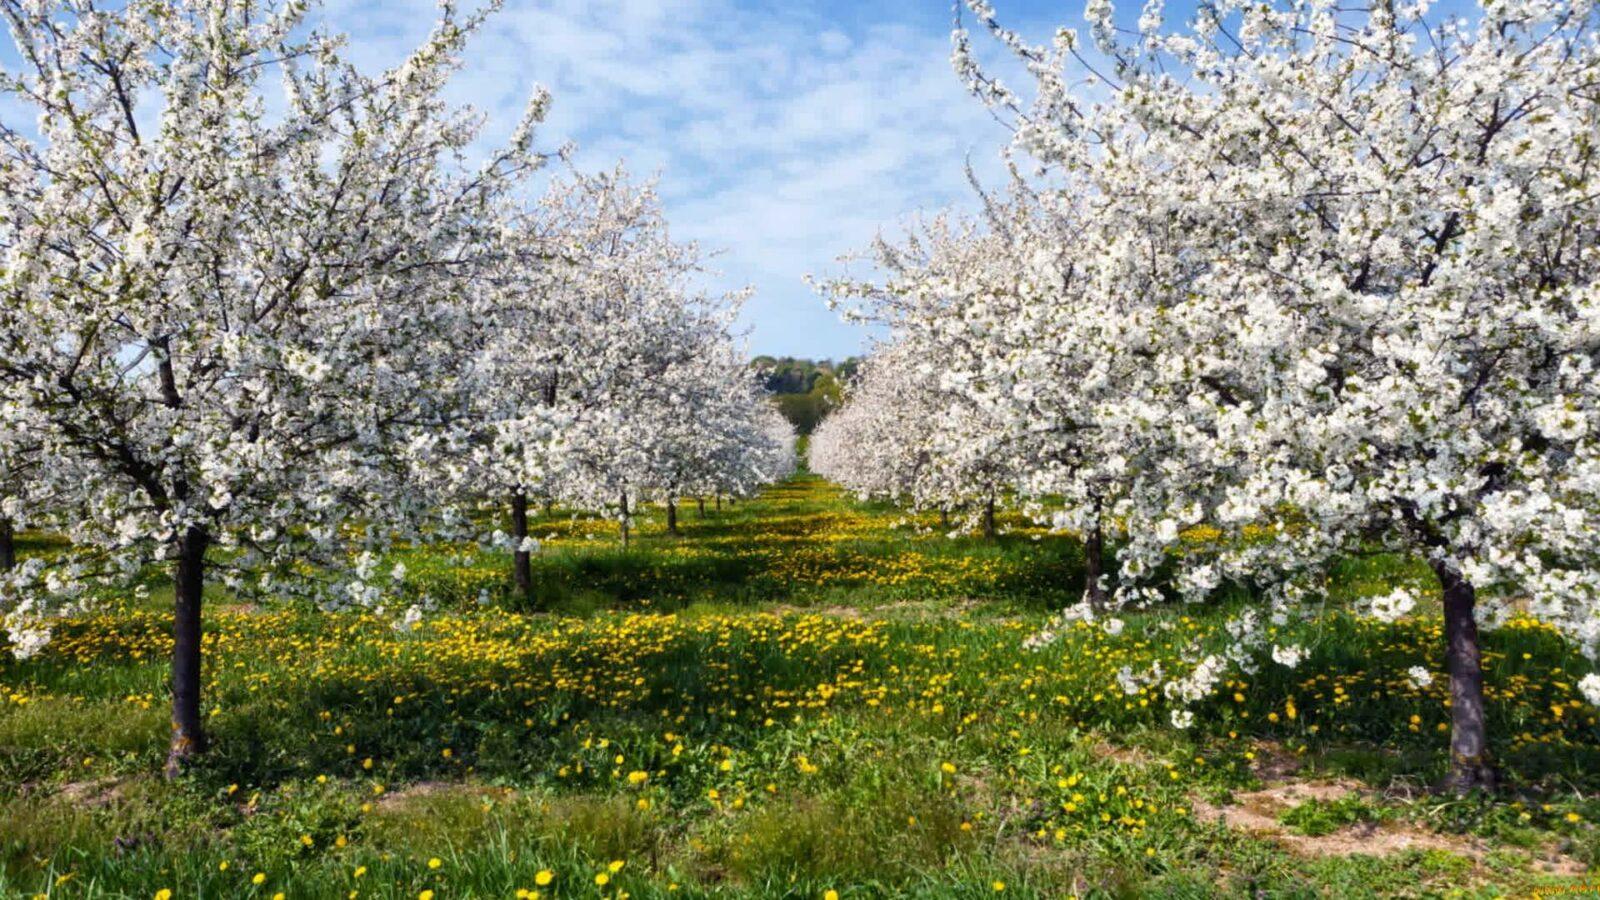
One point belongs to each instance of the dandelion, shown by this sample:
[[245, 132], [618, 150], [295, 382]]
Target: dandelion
[[435, 862], [544, 877], [258, 878], [164, 894]]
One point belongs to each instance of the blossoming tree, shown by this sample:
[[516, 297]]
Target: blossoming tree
[[995, 310], [1354, 254], [223, 311]]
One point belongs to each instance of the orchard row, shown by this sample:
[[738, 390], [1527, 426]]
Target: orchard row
[[1322, 280], [260, 336]]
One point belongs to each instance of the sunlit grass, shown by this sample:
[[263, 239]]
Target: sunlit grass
[[847, 725]]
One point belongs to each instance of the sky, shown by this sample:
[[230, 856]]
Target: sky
[[784, 134]]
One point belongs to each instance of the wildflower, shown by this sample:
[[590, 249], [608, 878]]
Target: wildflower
[[435, 862], [1590, 688], [998, 885], [1289, 656], [544, 877], [258, 878], [164, 894]]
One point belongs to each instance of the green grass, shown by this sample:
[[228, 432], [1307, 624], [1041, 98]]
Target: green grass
[[800, 544], [800, 694]]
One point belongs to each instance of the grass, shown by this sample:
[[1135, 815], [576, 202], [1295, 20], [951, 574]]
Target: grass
[[782, 702], [799, 544]]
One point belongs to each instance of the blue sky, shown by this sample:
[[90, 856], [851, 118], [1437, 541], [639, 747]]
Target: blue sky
[[783, 134]]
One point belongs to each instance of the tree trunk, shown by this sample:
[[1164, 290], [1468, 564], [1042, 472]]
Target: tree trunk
[[944, 517], [8, 546], [672, 517], [988, 518], [624, 520], [521, 560], [1093, 562], [701, 503], [188, 728], [1469, 743], [719, 503]]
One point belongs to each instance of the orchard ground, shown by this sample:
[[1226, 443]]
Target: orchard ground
[[800, 696]]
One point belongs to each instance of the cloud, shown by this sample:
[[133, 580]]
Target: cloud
[[784, 135]]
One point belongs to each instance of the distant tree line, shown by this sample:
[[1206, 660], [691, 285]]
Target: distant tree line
[[804, 390]]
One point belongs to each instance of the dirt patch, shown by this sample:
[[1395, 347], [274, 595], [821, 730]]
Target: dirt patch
[[1273, 763], [426, 790], [1127, 756], [1257, 813], [95, 793]]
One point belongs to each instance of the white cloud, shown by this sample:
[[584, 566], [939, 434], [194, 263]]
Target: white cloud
[[782, 137]]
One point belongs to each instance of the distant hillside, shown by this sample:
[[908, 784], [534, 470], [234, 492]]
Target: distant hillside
[[804, 389]]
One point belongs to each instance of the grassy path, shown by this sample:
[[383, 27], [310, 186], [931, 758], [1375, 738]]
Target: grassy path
[[703, 720]]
